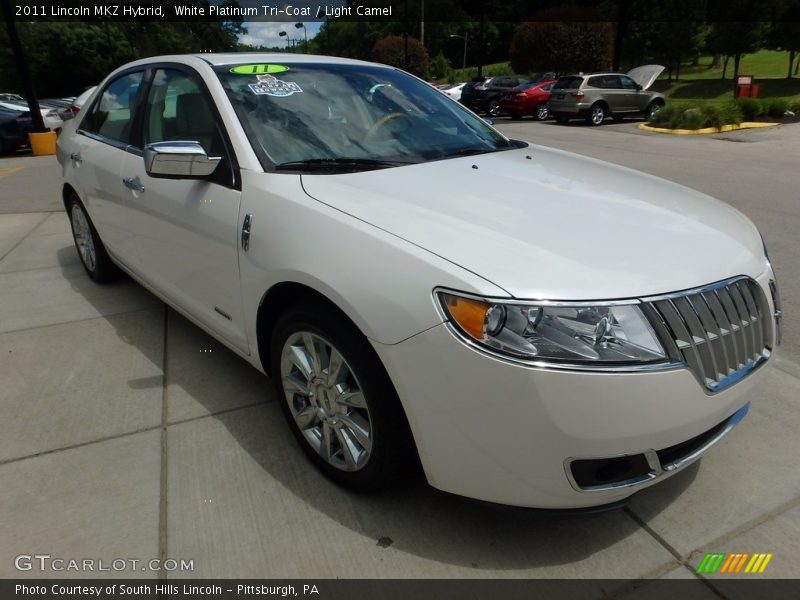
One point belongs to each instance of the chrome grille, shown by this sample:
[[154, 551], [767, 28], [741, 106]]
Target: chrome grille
[[720, 332]]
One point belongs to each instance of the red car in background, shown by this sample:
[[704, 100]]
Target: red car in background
[[527, 99]]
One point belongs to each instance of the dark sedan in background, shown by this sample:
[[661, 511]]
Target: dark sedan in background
[[482, 94], [14, 128]]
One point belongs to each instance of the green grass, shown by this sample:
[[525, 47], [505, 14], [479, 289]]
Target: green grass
[[501, 68], [762, 64]]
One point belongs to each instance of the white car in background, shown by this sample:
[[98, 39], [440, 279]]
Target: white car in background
[[52, 120], [454, 91], [534, 327]]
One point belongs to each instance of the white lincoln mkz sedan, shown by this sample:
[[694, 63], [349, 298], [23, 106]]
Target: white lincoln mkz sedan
[[533, 327]]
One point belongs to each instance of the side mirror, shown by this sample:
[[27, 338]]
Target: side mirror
[[179, 159]]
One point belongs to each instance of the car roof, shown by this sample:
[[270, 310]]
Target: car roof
[[233, 58]]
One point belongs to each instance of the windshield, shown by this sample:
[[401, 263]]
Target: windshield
[[315, 117]]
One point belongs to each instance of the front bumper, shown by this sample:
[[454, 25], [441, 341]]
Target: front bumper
[[492, 430]]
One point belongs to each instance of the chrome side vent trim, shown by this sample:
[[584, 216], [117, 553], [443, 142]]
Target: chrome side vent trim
[[721, 332]]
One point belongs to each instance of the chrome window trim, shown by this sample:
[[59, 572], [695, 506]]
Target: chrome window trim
[[657, 469]]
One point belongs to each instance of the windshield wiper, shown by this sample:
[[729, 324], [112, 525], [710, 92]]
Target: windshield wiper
[[339, 164], [469, 152]]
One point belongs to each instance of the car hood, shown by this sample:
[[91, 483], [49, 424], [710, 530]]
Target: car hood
[[542, 223], [645, 75]]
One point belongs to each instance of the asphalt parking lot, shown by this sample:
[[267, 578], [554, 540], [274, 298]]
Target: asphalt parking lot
[[126, 432]]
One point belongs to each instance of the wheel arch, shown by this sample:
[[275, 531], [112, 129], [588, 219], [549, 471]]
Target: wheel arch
[[66, 192], [280, 297]]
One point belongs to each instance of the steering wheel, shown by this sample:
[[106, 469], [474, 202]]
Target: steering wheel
[[381, 123]]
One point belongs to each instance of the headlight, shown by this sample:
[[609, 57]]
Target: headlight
[[572, 333]]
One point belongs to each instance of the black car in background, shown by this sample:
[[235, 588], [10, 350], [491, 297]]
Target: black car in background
[[482, 94], [14, 128]]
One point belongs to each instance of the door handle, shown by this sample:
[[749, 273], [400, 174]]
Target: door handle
[[76, 157], [133, 184], [246, 224]]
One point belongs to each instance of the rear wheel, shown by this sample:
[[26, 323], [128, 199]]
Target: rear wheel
[[597, 114], [90, 247], [338, 399], [541, 112]]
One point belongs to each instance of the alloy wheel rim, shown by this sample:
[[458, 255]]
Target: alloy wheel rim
[[326, 401], [597, 115], [83, 238], [541, 113]]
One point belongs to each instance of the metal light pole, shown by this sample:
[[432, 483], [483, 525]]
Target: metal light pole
[[305, 36], [462, 37], [286, 35]]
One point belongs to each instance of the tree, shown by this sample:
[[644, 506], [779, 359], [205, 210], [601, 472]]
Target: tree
[[564, 39], [408, 54], [67, 57], [440, 67], [735, 32], [785, 33]]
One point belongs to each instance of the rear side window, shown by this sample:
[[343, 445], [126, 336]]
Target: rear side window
[[568, 83], [111, 114]]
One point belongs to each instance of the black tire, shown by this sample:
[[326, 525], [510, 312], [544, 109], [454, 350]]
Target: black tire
[[101, 269], [493, 109], [597, 114], [652, 109], [392, 455]]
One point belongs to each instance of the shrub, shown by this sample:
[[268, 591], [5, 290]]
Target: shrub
[[795, 107], [712, 115], [731, 113], [665, 115], [776, 107], [693, 121], [717, 115], [391, 51], [751, 108]]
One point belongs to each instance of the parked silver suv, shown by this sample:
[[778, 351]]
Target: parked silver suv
[[595, 96]]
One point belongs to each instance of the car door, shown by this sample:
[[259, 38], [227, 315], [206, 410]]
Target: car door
[[635, 99], [613, 93], [97, 155], [187, 229]]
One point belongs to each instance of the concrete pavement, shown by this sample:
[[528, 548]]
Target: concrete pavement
[[126, 432]]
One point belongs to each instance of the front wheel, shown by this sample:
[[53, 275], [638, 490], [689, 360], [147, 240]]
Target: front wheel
[[597, 114], [90, 247], [493, 110], [541, 112], [652, 109], [338, 399]]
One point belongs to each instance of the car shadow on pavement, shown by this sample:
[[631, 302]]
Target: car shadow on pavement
[[413, 517]]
